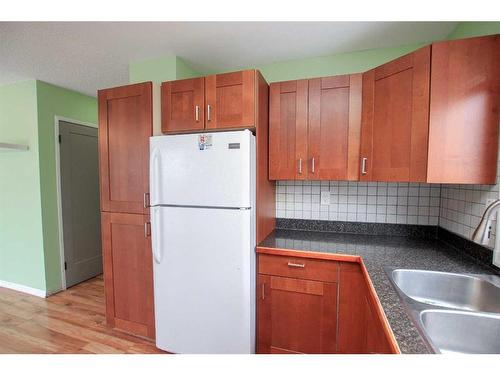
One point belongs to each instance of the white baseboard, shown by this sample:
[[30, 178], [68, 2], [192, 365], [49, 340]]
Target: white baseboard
[[23, 288]]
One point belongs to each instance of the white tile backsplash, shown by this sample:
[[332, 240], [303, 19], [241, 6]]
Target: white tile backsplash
[[380, 202], [462, 206]]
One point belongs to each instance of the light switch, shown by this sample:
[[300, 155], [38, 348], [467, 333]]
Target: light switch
[[325, 197]]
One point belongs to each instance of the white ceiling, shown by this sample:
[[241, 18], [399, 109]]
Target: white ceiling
[[86, 56]]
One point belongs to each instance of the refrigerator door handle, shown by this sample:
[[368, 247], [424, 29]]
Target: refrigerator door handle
[[156, 234], [155, 182]]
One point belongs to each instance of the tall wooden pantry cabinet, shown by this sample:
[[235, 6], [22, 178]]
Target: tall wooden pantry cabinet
[[125, 125]]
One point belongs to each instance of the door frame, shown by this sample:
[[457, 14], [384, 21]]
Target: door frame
[[57, 119]]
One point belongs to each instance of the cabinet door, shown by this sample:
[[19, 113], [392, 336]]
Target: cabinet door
[[182, 105], [296, 316], [376, 341], [128, 272], [125, 125], [352, 311], [334, 127], [230, 100], [464, 111], [288, 130], [395, 119], [361, 324]]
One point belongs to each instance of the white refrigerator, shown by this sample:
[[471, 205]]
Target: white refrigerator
[[203, 237]]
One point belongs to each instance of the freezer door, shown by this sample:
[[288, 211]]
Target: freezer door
[[204, 280], [206, 169]]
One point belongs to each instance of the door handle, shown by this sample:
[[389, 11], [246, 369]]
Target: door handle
[[197, 113], [313, 165], [146, 200], [208, 113], [155, 170], [300, 166], [156, 235], [147, 229], [363, 165], [296, 265]]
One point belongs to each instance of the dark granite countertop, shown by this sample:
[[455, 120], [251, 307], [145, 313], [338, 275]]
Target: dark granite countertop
[[378, 252]]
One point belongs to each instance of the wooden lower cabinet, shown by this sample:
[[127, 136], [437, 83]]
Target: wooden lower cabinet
[[128, 273], [314, 306], [296, 316], [361, 328]]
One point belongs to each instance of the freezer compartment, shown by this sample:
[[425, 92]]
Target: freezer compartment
[[204, 169], [204, 279]]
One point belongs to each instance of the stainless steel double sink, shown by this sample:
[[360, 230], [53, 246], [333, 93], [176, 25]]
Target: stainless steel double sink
[[455, 313]]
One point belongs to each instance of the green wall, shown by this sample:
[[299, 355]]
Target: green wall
[[21, 238], [160, 69], [345, 63], [171, 68], [469, 29], [55, 101], [29, 237], [183, 70]]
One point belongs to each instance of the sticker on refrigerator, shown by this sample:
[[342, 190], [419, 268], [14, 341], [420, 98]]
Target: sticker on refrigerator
[[205, 141]]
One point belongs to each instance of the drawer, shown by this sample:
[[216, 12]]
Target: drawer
[[300, 268]]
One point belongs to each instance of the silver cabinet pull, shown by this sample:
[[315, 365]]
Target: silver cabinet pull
[[363, 165], [146, 200], [197, 113], [300, 166], [147, 230], [208, 113], [296, 265], [313, 165]]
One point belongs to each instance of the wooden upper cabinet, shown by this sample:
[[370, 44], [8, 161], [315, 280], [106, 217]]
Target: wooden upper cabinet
[[395, 118], [288, 130], [182, 105], [464, 111], [128, 272], [315, 128], [334, 128], [220, 101], [125, 125], [230, 100], [296, 316]]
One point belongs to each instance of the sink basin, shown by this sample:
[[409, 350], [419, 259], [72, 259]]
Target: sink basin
[[450, 290], [462, 332]]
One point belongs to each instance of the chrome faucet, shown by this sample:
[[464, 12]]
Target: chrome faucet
[[481, 234]]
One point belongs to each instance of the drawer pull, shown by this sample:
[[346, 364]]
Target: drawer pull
[[296, 265]]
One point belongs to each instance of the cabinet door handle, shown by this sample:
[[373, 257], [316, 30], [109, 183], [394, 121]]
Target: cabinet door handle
[[300, 166], [147, 229], [313, 165], [197, 113], [296, 265], [145, 199], [363, 165], [208, 113], [263, 291]]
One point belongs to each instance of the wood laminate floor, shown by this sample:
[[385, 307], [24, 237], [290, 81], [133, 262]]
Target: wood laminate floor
[[71, 321]]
